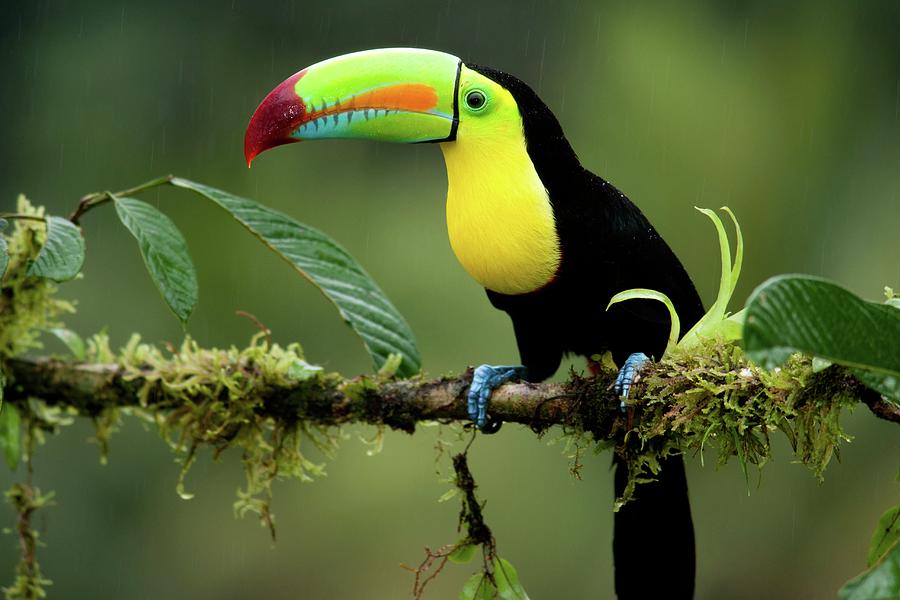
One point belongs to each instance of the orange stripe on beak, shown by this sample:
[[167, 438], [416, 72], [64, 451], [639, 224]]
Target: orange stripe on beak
[[410, 97]]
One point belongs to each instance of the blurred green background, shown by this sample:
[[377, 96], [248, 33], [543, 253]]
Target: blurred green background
[[786, 112]]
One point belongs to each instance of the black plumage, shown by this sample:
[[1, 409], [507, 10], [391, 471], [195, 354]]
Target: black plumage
[[607, 246]]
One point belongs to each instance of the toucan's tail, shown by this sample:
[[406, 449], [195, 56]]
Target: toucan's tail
[[653, 538]]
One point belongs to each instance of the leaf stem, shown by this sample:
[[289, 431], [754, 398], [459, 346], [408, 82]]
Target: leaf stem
[[97, 198], [12, 216]]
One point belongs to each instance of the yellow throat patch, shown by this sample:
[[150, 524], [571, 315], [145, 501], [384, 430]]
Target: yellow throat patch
[[499, 215]]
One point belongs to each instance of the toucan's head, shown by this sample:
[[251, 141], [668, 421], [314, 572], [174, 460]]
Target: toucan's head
[[396, 95], [503, 148]]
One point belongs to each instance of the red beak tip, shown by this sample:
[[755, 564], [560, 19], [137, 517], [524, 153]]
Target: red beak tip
[[274, 119]]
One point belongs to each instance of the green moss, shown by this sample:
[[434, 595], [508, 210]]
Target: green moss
[[29, 583], [711, 397], [28, 305], [210, 398]]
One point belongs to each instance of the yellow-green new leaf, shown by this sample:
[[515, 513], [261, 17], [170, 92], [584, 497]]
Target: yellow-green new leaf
[[645, 294], [710, 324]]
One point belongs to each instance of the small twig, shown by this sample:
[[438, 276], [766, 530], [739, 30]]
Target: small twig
[[443, 553], [15, 216], [97, 198], [251, 317]]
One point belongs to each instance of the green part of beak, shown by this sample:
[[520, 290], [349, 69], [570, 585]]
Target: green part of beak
[[402, 95]]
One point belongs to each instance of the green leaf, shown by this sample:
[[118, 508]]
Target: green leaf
[[645, 294], [478, 587], [711, 323], [463, 553], [881, 582], [72, 341], [359, 300], [62, 254], [9, 434], [4, 249], [165, 254], [886, 535], [886, 385], [799, 313], [508, 586]]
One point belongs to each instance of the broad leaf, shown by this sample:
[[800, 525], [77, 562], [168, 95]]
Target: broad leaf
[[463, 553], [508, 586], [478, 587], [9, 434], [165, 254], [886, 535], [886, 385], [793, 313], [62, 254], [881, 582], [320, 259]]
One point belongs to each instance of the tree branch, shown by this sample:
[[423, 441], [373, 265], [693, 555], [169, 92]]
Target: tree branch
[[588, 403]]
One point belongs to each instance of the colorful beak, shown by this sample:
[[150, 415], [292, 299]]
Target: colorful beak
[[404, 95]]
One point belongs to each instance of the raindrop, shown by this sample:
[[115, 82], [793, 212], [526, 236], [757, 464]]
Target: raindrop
[[541, 68]]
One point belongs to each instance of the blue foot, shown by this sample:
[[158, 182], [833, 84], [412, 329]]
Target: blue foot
[[627, 375], [485, 380]]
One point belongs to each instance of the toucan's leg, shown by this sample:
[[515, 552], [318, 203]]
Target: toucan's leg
[[627, 375], [485, 380]]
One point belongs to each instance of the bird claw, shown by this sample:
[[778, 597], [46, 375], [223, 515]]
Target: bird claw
[[628, 374], [485, 379]]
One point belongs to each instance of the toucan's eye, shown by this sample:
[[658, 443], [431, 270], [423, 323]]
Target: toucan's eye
[[475, 100]]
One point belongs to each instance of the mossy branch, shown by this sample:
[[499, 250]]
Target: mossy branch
[[265, 400], [588, 404]]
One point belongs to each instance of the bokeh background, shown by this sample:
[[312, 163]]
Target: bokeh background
[[786, 112]]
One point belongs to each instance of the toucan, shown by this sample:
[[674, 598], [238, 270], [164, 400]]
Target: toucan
[[550, 241]]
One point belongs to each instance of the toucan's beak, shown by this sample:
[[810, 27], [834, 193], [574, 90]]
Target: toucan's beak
[[392, 95]]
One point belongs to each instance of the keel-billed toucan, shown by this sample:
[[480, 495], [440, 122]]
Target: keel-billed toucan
[[550, 241]]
